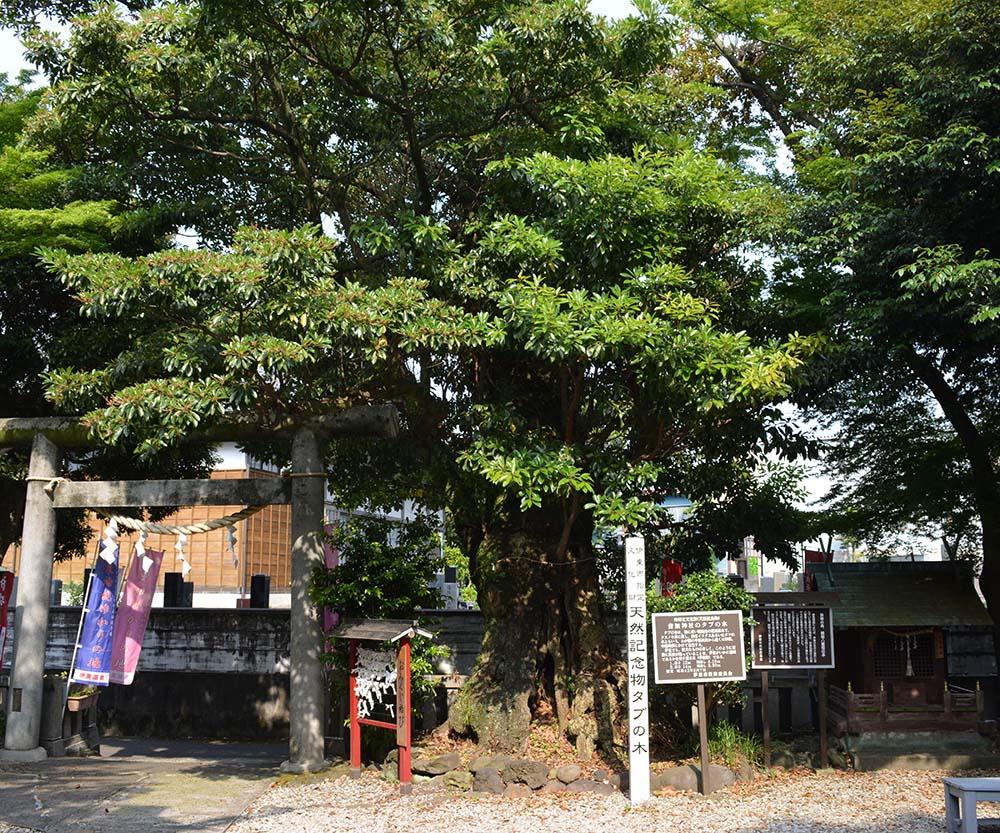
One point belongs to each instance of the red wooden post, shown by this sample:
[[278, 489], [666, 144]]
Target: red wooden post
[[403, 715], [352, 660]]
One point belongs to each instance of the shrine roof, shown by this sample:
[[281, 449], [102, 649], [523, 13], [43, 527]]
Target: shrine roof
[[911, 594], [378, 630]]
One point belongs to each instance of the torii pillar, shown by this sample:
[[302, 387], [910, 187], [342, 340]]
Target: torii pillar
[[306, 688], [31, 616]]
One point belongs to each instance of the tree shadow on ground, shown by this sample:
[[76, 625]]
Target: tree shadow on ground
[[158, 790]]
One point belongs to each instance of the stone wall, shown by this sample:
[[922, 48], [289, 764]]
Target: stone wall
[[189, 640], [223, 673], [202, 673]]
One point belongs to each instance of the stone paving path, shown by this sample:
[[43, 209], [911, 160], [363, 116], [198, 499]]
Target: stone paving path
[[139, 786]]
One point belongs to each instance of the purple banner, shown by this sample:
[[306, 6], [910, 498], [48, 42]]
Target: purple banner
[[6, 588], [133, 616], [93, 660]]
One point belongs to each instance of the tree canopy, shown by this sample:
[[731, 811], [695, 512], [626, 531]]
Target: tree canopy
[[511, 218], [45, 201], [890, 113]]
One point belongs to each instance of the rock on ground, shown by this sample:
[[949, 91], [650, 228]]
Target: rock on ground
[[457, 779], [687, 777], [437, 766], [487, 781], [568, 773], [497, 762], [533, 773], [585, 785]]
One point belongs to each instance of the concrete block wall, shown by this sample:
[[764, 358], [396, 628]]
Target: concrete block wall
[[202, 673]]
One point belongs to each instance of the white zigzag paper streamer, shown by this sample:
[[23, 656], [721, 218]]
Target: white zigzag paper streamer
[[231, 544], [179, 546], [375, 674], [109, 548], [140, 550]]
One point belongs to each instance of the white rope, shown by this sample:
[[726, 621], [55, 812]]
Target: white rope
[[50, 482], [186, 529]]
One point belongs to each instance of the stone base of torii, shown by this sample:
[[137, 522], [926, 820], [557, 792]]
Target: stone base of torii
[[304, 489]]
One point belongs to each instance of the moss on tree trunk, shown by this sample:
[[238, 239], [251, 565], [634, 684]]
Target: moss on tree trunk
[[546, 651]]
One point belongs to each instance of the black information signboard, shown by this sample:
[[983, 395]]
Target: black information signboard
[[699, 647], [792, 637]]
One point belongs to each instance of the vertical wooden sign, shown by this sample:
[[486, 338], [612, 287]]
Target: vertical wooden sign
[[638, 676], [403, 715]]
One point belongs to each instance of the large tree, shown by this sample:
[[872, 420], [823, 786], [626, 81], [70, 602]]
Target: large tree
[[522, 248], [890, 112]]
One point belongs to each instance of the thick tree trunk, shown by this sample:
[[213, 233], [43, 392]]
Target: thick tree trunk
[[546, 651], [985, 488]]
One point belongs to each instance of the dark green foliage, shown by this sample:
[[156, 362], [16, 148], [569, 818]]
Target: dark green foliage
[[384, 573], [45, 202], [891, 112]]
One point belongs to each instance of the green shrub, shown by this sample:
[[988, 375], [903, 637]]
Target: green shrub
[[73, 591], [384, 574]]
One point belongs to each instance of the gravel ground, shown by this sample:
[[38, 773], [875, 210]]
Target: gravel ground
[[827, 802]]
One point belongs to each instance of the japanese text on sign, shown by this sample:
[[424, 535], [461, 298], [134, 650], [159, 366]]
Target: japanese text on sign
[[699, 647], [793, 637], [638, 681]]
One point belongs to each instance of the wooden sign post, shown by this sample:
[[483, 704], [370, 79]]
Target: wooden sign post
[[765, 716], [792, 635], [699, 647], [706, 786]]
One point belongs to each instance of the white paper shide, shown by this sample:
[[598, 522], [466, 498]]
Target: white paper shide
[[375, 672]]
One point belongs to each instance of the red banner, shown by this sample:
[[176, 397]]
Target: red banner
[[6, 588], [671, 573], [133, 616]]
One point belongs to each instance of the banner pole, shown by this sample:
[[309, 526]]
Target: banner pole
[[123, 577]]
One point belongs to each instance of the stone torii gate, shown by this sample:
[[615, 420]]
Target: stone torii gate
[[304, 489]]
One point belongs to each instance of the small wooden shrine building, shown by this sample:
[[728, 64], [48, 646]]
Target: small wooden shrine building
[[914, 647]]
